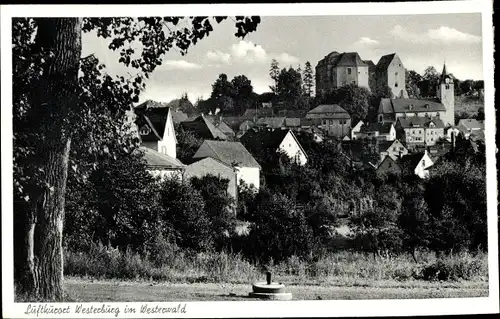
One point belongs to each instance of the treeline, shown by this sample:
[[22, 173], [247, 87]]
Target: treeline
[[295, 212]]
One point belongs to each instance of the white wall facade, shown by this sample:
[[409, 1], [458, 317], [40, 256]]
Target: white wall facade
[[250, 175], [421, 169], [168, 145], [290, 146]]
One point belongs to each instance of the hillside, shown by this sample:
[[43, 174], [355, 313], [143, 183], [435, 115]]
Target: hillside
[[467, 106]]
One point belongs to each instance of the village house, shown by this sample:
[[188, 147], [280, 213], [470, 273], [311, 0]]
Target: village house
[[292, 113], [233, 154], [256, 113], [451, 131], [394, 149], [156, 128], [466, 127], [391, 72], [415, 131], [203, 128], [221, 124], [417, 163], [381, 131], [333, 119], [388, 165], [443, 107], [339, 69], [211, 166], [271, 122], [277, 140], [162, 165], [356, 130]]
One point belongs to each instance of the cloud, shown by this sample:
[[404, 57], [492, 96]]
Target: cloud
[[179, 65], [286, 58], [219, 56], [452, 35], [442, 34], [366, 41], [248, 51]]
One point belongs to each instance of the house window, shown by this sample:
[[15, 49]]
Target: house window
[[145, 130], [426, 114], [349, 70], [423, 162], [396, 84], [168, 131], [447, 86], [331, 122], [396, 73]]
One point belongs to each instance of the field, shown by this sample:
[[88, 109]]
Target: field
[[112, 276], [87, 290]]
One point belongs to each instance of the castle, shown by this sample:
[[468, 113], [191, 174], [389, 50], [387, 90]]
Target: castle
[[339, 69]]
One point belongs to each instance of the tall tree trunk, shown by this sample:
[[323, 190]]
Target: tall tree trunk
[[53, 101]]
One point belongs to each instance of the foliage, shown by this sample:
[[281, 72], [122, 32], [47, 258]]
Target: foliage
[[116, 204], [413, 80], [377, 228], [274, 73], [187, 144], [279, 229], [354, 99], [219, 207], [308, 79], [53, 98], [183, 208], [289, 86], [458, 215]]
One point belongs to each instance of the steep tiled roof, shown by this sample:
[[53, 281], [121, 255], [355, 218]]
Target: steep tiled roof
[[350, 59], [262, 139], [229, 153], [292, 122], [411, 160], [202, 127], [338, 111], [371, 65], [385, 61], [273, 122], [343, 59], [249, 113], [409, 105], [471, 124], [155, 115], [417, 121], [292, 113], [156, 159], [220, 123], [384, 128]]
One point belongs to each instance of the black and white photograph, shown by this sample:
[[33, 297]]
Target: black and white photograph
[[248, 160]]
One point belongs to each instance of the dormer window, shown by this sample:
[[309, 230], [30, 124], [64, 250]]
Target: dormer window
[[145, 130]]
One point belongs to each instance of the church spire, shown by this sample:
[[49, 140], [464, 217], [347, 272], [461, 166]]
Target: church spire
[[444, 74]]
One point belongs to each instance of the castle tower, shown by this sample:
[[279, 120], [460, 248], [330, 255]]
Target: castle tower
[[446, 95]]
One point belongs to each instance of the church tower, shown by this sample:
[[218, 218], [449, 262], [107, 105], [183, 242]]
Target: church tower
[[446, 95]]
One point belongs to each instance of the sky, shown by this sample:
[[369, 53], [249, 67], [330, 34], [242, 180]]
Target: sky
[[419, 40]]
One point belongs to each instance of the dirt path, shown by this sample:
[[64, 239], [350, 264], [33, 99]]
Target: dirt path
[[130, 291]]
